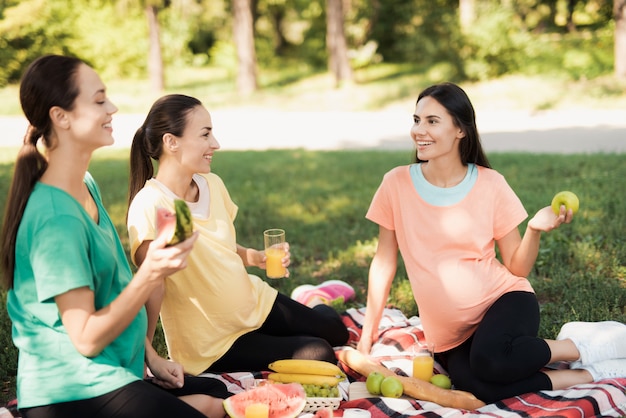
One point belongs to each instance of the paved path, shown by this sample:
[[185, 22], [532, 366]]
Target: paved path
[[574, 131]]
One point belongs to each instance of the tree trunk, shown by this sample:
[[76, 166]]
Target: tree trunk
[[571, 5], [467, 13], [619, 12], [243, 33], [155, 59], [277, 17], [338, 62]]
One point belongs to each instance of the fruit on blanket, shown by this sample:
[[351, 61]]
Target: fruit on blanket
[[415, 388], [176, 226], [304, 379], [323, 413], [285, 401], [304, 366], [442, 381], [567, 198], [373, 381], [391, 387], [321, 391]]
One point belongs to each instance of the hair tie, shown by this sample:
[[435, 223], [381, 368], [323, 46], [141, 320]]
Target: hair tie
[[32, 136]]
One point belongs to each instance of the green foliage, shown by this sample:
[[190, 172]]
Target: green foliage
[[313, 45], [224, 55], [122, 55], [526, 37], [494, 44], [421, 32], [29, 29]]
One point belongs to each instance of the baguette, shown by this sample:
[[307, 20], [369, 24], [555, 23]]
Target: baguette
[[414, 388]]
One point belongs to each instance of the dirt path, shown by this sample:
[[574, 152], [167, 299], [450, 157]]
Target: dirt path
[[546, 132]]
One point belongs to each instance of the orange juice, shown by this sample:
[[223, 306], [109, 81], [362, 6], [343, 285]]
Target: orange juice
[[257, 410], [423, 367], [273, 265]]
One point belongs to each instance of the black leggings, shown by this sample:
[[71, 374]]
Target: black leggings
[[291, 330], [504, 356], [135, 400]]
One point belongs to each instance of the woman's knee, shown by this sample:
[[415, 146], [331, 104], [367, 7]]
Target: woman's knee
[[316, 349], [335, 331], [486, 366]]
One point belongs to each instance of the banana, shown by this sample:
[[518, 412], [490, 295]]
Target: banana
[[304, 379], [299, 366]]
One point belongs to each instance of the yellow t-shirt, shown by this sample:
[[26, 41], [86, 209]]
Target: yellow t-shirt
[[449, 251], [213, 301]]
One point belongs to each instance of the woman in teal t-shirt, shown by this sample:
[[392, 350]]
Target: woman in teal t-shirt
[[78, 313]]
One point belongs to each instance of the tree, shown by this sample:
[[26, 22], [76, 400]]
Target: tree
[[243, 34], [155, 58], [151, 10], [619, 13], [336, 44]]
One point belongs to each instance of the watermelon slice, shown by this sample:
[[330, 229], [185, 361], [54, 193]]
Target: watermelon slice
[[286, 400], [176, 226]]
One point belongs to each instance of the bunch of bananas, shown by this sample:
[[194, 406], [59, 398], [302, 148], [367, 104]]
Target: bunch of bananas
[[306, 372]]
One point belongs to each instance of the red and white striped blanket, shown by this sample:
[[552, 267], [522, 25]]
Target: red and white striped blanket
[[600, 399]]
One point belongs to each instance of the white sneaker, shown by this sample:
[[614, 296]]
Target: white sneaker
[[606, 369], [596, 341]]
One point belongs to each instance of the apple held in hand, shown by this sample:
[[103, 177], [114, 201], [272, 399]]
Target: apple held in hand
[[569, 199]]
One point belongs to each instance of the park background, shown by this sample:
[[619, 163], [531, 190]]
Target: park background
[[334, 57]]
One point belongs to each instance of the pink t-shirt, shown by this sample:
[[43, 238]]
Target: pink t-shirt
[[449, 251]]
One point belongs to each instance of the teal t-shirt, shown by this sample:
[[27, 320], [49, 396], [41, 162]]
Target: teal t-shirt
[[60, 247]]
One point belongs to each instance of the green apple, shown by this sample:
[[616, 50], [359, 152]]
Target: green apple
[[441, 380], [391, 387], [373, 382], [569, 199]]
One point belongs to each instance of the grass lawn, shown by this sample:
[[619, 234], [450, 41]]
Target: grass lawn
[[320, 199]]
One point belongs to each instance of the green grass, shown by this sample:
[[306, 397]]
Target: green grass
[[320, 199]]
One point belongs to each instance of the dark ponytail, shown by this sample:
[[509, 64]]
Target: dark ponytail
[[141, 168], [167, 115], [49, 81]]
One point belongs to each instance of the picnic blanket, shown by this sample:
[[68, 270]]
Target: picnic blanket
[[398, 333]]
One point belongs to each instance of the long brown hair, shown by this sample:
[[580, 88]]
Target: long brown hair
[[47, 82], [167, 115], [459, 106]]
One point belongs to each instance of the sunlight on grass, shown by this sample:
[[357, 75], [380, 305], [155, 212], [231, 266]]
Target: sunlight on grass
[[377, 87], [8, 155]]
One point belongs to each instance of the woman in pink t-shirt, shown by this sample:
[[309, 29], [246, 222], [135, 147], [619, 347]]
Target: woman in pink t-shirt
[[445, 214]]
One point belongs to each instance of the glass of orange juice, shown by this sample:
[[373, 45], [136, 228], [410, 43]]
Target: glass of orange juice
[[423, 360], [274, 253], [257, 410]]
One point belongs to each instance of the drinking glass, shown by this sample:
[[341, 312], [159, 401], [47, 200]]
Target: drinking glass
[[274, 252]]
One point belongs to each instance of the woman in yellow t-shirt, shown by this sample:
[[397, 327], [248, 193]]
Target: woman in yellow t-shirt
[[216, 317], [445, 214]]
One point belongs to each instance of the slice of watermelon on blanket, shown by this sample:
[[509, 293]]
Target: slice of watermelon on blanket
[[285, 400]]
